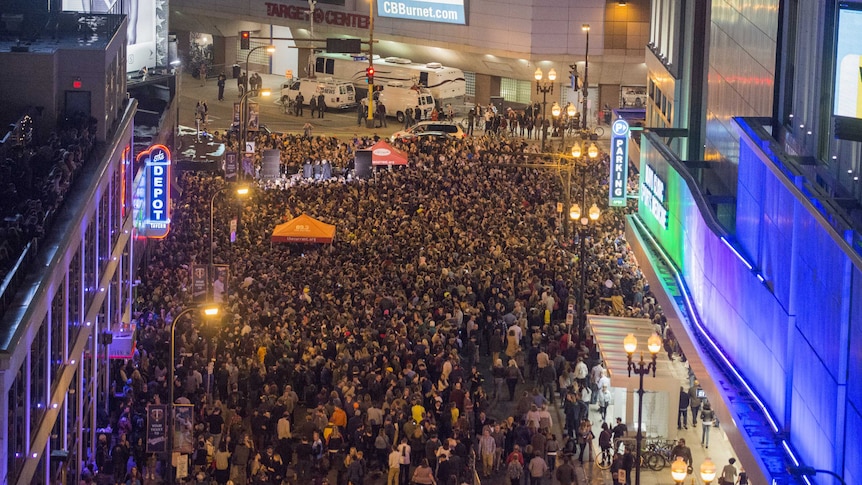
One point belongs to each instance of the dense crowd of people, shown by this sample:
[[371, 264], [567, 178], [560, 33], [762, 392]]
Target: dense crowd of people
[[391, 350], [35, 178]]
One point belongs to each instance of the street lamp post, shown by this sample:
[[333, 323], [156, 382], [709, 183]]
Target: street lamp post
[[575, 214], [369, 117], [270, 49], [544, 87], [642, 368], [556, 111], [586, 29], [243, 121], [208, 311], [240, 191]]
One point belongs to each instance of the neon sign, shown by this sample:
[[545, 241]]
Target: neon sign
[[154, 205], [653, 195], [619, 163]]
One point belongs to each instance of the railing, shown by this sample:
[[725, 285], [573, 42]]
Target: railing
[[12, 280]]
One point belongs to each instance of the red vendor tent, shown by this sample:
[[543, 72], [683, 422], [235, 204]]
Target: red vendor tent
[[383, 153]]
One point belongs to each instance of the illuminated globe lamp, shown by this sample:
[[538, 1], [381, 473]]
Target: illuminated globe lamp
[[556, 110], [595, 212], [679, 470], [654, 342], [707, 471], [576, 150], [630, 344], [593, 151], [574, 212]]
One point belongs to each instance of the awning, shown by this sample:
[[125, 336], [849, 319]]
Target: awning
[[303, 229], [661, 399], [382, 153], [608, 334]]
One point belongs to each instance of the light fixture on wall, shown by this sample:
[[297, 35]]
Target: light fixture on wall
[[622, 3]]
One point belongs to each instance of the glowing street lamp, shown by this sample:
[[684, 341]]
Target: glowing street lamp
[[642, 368], [707, 471], [678, 470]]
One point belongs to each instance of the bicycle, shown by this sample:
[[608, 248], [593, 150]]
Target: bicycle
[[606, 458], [586, 133]]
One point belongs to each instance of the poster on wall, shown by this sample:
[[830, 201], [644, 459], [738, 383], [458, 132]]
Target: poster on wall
[[847, 107], [445, 11]]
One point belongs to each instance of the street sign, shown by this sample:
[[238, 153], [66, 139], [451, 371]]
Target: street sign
[[619, 163], [343, 46]]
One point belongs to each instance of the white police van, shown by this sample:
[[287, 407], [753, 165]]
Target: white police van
[[338, 94]]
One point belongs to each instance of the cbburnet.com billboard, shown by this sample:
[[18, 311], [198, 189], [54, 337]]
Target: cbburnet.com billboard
[[445, 11]]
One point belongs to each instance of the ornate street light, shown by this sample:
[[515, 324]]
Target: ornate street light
[[642, 368], [544, 87]]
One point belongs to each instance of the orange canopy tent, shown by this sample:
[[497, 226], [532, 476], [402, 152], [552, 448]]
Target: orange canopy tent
[[303, 229], [383, 153]]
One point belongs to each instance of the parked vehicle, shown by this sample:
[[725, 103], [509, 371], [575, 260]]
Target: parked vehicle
[[443, 82], [398, 97], [432, 129], [339, 94]]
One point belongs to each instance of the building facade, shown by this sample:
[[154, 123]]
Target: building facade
[[753, 227]]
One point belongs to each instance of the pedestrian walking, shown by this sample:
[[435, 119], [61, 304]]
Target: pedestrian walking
[[222, 79], [381, 112], [682, 416], [537, 468], [321, 105], [297, 108], [202, 73], [312, 105], [707, 419]]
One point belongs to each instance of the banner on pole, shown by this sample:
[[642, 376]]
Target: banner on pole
[[184, 423], [231, 166], [157, 428], [199, 281]]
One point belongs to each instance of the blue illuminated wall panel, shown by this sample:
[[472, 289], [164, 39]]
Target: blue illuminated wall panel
[[790, 338], [741, 313]]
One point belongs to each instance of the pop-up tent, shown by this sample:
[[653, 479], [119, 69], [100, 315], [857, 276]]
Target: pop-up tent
[[303, 229], [383, 153]]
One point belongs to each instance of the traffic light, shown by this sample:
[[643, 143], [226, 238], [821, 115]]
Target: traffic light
[[369, 75], [244, 39]]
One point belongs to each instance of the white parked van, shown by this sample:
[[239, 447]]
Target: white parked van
[[398, 97], [339, 94]]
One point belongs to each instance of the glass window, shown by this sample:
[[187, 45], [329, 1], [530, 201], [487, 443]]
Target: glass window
[[17, 414], [38, 378], [470, 78], [516, 90], [58, 334]]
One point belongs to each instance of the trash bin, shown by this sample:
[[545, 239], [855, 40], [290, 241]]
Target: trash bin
[[236, 71]]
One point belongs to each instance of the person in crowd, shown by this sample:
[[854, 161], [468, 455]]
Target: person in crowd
[[707, 419], [682, 417], [729, 473]]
